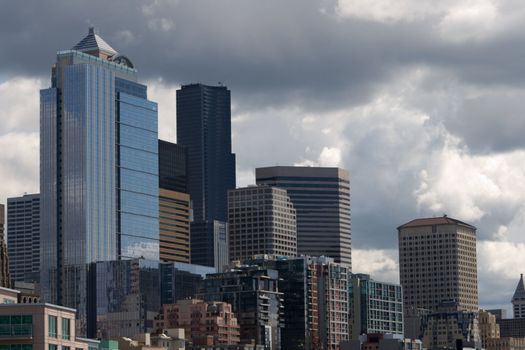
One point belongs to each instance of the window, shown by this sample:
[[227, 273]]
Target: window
[[52, 327], [66, 328], [52, 346]]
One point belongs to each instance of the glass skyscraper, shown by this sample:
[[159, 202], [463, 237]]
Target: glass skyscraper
[[99, 168], [204, 129]]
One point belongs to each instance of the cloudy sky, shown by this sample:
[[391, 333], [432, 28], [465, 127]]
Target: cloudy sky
[[423, 101]]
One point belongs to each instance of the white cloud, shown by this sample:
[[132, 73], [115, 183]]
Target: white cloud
[[19, 164], [166, 97], [19, 98], [380, 264]]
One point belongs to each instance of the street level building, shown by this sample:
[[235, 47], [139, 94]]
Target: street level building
[[23, 237], [488, 327], [518, 299], [375, 307], [98, 169], [321, 198], [261, 221], [206, 323], [204, 130], [451, 328], [505, 343], [437, 260], [27, 326]]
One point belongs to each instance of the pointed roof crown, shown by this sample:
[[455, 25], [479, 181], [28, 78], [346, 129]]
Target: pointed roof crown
[[94, 45], [519, 294]]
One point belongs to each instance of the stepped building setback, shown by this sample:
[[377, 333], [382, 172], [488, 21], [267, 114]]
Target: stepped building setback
[[321, 198]]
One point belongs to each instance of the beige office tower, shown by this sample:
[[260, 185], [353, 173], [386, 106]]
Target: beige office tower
[[437, 262], [174, 226], [261, 221]]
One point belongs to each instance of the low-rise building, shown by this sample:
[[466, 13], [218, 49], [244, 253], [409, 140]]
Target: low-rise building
[[26, 326], [505, 343], [450, 327], [488, 327], [205, 323]]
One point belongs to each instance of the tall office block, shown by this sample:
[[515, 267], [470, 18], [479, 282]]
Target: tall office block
[[5, 279], [172, 167], [174, 226], [204, 130], [518, 299], [437, 261], [99, 168], [261, 221], [375, 307], [23, 237], [321, 198]]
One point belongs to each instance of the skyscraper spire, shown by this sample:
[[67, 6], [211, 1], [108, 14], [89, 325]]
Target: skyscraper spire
[[518, 299]]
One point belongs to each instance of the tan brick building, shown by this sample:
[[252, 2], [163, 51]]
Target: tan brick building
[[174, 226], [437, 261], [204, 323]]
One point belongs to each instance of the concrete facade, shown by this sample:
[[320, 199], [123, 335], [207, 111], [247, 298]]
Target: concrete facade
[[23, 237], [261, 221], [437, 261], [204, 323]]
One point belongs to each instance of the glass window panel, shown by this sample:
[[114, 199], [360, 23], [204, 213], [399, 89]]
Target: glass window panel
[[139, 160]]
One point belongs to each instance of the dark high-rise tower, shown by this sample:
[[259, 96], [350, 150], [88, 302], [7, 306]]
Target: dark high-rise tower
[[172, 167], [23, 237], [204, 129], [98, 168], [321, 198]]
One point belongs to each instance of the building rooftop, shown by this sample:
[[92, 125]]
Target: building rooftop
[[519, 294], [444, 220], [93, 42]]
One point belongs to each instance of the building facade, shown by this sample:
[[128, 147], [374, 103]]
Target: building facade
[[298, 283], [99, 168], [488, 327], [261, 221], [204, 130], [27, 326], [512, 328], [518, 299], [375, 307], [181, 281], [5, 278], [333, 304], [23, 237], [256, 300], [321, 198], [451, 328], [206, 323], [174, 226], [437, 260], [172, 167], [507, 343]]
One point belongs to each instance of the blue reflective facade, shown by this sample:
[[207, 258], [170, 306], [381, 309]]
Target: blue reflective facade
[[138, 177], [99, 173]]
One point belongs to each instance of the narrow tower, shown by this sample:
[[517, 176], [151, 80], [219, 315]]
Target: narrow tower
[[518, 299]]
